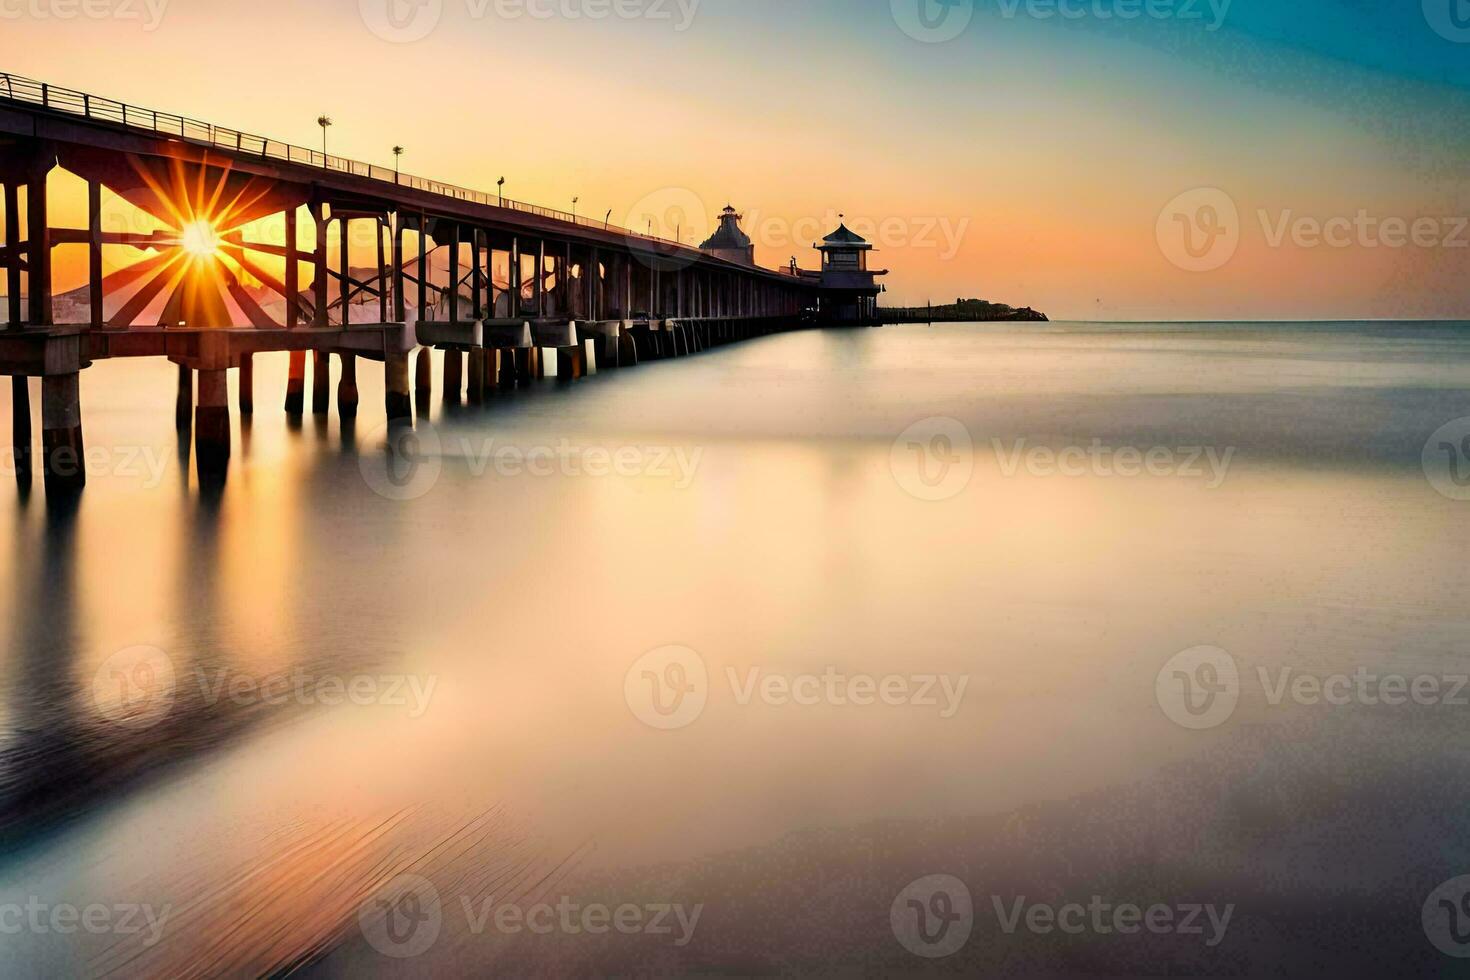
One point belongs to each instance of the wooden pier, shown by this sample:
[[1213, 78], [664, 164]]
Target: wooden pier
[[420, 265]]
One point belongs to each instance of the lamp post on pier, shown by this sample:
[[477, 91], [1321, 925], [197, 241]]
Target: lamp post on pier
[[324, 121]]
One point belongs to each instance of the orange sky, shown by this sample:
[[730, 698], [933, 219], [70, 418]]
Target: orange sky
[[1024, 161]]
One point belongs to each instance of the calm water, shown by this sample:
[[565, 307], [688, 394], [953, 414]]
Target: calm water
[[465, 674]]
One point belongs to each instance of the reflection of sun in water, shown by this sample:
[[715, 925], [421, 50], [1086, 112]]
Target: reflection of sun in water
[[199, 239]]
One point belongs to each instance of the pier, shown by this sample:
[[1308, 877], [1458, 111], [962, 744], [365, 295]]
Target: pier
[[496, 284]]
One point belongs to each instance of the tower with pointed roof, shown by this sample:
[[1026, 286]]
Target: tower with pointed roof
[[729, 242], [849, 288]]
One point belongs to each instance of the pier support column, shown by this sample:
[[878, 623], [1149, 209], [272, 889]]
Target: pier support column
[[296, 384], [247, 384], [38, 252], [505, 363], [524, 365], [184, 403], [476, 369], [423, 388], [627, 346], [12, 267], [63, 460], [396, 398], [347, 397], [571, 363], [20, 428], [212, 424], [492, 370], [321, 382], [453, 377]]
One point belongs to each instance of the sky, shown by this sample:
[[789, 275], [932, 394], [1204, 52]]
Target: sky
[[1093, 159]]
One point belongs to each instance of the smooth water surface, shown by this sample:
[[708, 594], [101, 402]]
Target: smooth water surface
[[768, 518]]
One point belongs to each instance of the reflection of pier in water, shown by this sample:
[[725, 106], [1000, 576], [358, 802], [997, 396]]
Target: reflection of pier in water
[[223, 223]]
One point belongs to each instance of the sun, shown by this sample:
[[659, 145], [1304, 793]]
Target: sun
[[199, 239]]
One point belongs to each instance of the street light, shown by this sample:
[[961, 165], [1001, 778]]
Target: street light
[[324, 122], [500, 184], [574, 208], [607, 219], [397, 152]]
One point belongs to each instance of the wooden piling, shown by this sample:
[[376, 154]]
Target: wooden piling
[[63, 459], [321, 382], [453, 377], [184, 402], [423, 388], [475, 373], [12, 268], [247, 384], [506, 364], [296, 384], [347, 395], [20, 427], [398, 401], [212, 424]]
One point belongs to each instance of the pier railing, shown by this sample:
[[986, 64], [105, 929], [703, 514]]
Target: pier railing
[[17, 88]]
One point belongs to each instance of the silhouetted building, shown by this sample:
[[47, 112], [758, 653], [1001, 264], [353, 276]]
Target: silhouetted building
[[729, 242], [849, 288]]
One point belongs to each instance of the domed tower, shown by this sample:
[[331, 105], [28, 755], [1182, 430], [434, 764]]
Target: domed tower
[[849, 288], [729, 242]]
